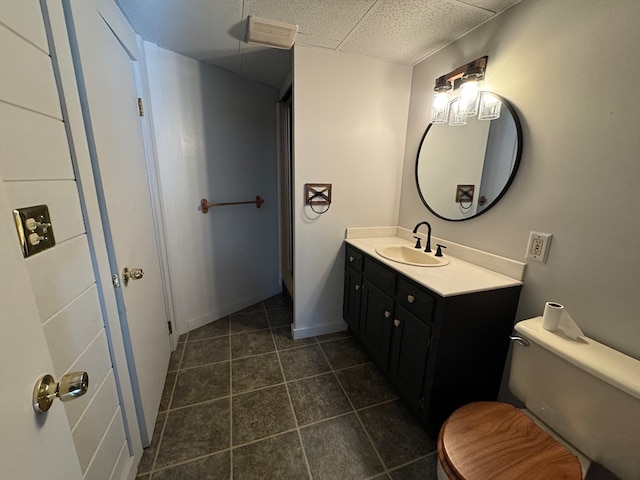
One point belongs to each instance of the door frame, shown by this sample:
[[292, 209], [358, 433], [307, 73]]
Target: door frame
[[155, 188], [81, 160], [133, 45], [131, 41], [285, 180]]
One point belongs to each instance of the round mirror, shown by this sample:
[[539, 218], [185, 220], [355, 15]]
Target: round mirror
[[463, 171]]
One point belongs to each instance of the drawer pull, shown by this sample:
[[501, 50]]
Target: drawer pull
[[351, 258], [411, 298], [357, 287], [396, 323], [387, 314]]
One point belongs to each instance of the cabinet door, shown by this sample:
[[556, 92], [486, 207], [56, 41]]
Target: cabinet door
[[351, 300], [411, 339], [376, 320]]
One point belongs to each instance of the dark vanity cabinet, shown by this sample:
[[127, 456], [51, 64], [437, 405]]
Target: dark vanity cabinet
[[437, 352]]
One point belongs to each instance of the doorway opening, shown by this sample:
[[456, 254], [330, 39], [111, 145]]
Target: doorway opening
[[286, 193]]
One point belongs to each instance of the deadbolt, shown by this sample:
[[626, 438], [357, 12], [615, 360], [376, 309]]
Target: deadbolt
[[133, 274]]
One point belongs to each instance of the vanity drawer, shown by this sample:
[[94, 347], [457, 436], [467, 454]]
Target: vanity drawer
[[380, 276], [415, 299], [354, 258]]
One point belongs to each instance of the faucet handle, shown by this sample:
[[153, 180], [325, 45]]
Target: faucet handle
[[418, 245], [439, 250]]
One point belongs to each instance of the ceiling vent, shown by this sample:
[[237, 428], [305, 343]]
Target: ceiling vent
[[262, 31]]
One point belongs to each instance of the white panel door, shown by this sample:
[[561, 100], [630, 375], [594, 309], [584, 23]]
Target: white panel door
[[31, 446], [108, 61], [36, 168]]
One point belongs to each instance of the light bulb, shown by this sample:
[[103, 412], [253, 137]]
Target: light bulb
[[440, 108], [469, 98]]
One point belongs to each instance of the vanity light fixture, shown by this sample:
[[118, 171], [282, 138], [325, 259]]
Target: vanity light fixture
[[469, 102]]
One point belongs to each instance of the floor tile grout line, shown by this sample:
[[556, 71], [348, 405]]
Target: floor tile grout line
[[200, 366], [286, 382], [293, 410], [166, 418], [230, 407], [344, 391], [406, 464], [189, 460]]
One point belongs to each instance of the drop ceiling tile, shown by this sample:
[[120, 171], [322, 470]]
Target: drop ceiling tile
[[408, 30], [493, 5], [322, 23]]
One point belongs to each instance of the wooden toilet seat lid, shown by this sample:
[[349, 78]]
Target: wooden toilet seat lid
[[492, 440]]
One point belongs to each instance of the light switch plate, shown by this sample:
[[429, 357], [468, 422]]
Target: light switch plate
[[34, 229], [538, 246]]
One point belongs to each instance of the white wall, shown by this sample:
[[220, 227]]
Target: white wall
[[216, 138], [350, 116], [567, 67]]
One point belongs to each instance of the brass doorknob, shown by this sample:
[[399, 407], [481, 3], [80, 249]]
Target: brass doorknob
[[72, 385], [133, 274]]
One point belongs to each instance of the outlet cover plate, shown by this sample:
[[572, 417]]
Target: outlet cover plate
[[538, 246], [34, 222]]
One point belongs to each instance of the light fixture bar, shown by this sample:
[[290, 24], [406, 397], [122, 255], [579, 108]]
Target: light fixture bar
[[455, 76]]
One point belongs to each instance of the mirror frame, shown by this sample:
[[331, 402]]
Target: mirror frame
[[514, 170]]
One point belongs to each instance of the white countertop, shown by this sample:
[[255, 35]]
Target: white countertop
[[456, 278]]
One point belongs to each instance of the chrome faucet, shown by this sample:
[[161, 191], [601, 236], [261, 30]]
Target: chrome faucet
[[415, 230]]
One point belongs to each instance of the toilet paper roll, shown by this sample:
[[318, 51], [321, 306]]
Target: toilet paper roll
[[555, 317]]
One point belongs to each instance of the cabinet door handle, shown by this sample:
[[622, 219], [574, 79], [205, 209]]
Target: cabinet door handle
[[387, 314], [411, 298], [351, 258], [357, 287], [396, 323]]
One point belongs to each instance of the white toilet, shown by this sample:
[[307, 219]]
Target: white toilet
[[582, 403]]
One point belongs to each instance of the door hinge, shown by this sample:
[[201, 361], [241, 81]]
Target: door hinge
[[170, 327], [140, 107], [421, 403], [115, 279]]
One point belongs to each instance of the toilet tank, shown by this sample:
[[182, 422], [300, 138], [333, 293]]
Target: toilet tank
[[586, 392]]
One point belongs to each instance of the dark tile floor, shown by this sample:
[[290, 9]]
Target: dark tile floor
[[243, 400]]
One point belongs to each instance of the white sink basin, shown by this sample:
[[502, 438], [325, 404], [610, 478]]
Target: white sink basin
[[411, 256]]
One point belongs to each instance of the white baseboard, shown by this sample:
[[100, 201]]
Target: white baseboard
[[298, 333], [225, 310]]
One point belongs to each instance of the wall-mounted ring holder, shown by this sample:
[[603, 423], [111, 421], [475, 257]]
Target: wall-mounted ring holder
[[318, 195], [464, 196]]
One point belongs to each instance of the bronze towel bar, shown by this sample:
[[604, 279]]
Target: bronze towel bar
[[204, 203]]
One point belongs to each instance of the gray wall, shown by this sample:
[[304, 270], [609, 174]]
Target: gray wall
[[350, 114], [216, 138], [568, 67]]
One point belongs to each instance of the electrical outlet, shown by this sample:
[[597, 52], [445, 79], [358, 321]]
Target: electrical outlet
[[538, 246]]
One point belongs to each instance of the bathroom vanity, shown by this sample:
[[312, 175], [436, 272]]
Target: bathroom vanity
[[439, 334]]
